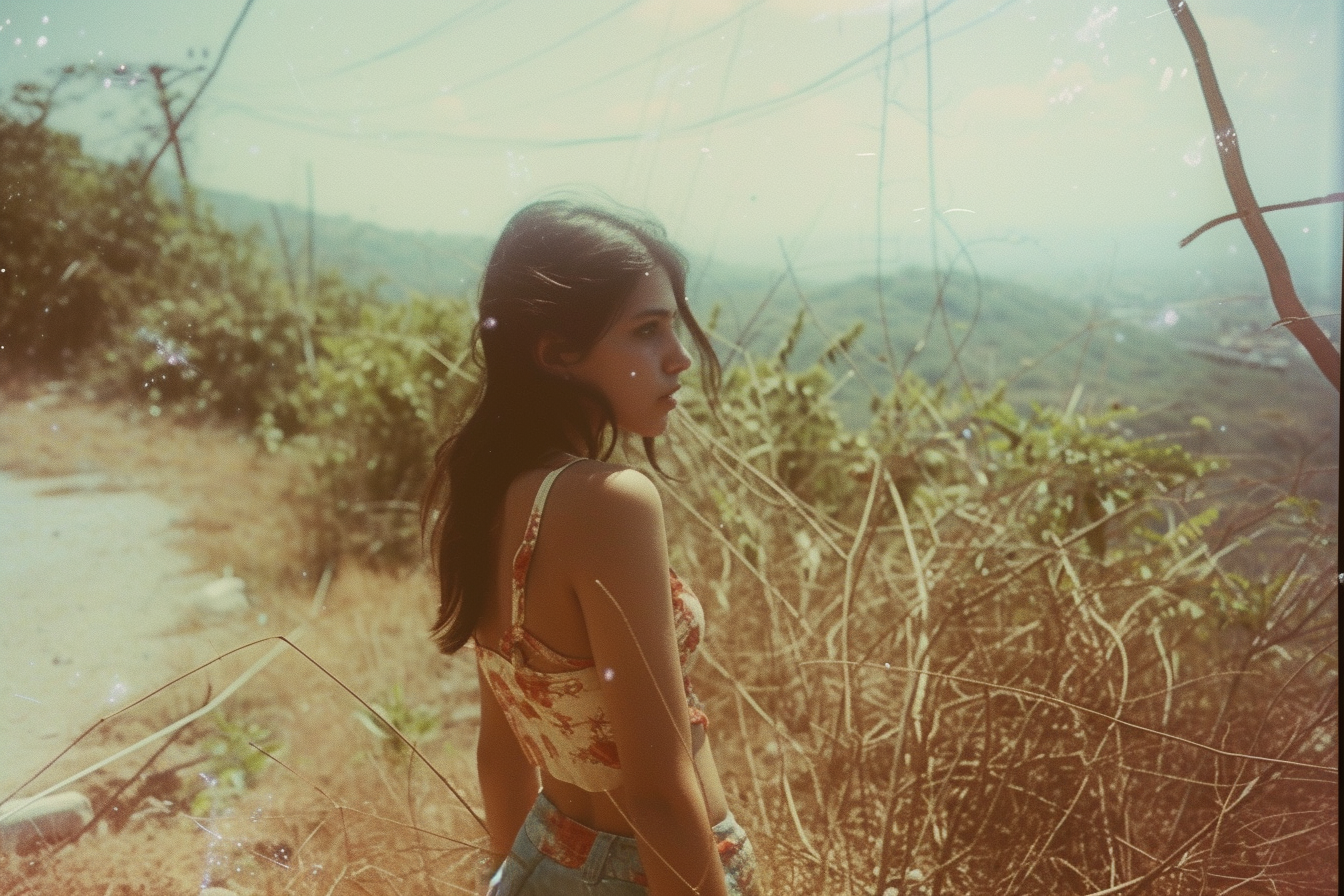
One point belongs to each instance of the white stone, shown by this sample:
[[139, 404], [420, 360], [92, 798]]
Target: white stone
[[51, 818], [225, 595], [467, 712]]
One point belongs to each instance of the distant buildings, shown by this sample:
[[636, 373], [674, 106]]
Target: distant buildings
[[1247, 345]]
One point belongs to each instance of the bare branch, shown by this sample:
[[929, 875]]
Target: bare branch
[[1281, 289], [1280, 206]]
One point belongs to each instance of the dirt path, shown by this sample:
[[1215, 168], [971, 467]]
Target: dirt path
[[91, 588]]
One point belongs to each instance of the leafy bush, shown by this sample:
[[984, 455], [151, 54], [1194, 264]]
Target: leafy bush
[[369, 414], [214, 332], [71, 229], [784, 423], [1084, 468]]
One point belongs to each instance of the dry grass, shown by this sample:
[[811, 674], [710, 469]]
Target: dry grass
[[329, 801], [980, 714], [905, 702], [335, 803]]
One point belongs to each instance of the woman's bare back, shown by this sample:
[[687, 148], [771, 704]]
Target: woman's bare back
[[554, 614]]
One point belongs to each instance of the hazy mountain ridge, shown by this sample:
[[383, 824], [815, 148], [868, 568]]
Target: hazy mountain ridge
[[398, 263], [1126, 342], [403, 262]]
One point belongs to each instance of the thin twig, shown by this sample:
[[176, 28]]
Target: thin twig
[[1278, 206]]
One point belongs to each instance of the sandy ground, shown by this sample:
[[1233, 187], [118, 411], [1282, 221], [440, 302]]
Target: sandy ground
[[91, 588]]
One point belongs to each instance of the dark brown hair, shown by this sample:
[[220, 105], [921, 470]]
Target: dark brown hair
[[563, 267]]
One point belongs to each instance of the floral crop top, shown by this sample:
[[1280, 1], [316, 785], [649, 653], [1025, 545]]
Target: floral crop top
[[558, 717]]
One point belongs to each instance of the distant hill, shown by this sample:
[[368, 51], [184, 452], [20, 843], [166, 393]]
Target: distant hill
[[398, 262], [1129, 344], [403, 262]]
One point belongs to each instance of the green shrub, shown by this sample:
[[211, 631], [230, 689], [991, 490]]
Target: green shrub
[[369, 414], [213, 332], [1082, 466], [71, 229]]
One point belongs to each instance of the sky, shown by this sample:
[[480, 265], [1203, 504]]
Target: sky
[[1048, 134]]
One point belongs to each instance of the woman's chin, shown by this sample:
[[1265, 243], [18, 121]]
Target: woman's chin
[[650, 429]]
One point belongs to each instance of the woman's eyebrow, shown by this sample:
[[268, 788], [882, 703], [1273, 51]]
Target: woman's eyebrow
[[654, 313]]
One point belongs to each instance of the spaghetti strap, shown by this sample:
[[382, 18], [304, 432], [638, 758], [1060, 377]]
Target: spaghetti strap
[[522, 563]]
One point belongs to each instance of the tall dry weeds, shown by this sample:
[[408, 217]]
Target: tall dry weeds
[[909, 696], [922, 699]]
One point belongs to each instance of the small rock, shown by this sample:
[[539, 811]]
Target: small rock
[[24, 823], [470, 712], [225, 595], [215, 891], [152, 807]]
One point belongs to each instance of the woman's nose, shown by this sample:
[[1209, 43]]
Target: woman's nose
[[677, 361]]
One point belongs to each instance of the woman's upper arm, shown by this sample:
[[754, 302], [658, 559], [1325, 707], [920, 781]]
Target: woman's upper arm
[[620, 572]]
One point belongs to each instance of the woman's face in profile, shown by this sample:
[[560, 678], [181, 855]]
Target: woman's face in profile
[[638, 361]]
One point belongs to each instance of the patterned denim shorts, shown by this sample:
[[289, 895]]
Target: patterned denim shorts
[[554, 855]]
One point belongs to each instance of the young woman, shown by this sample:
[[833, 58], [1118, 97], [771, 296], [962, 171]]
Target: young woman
[[593, 758]]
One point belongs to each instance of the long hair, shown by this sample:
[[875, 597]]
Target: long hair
[[563, 267]]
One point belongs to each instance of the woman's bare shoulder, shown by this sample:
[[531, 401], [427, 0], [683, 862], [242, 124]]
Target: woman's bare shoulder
[[603, 483], [614, 546], [619, 501]]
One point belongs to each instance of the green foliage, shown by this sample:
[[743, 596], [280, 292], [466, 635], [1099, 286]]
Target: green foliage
[[785, 424], [214, 333], [369, 413], [839, 347], [790, 342], [71, 228], [921, 434], [393, 714], [233, 761], [1082, 466]]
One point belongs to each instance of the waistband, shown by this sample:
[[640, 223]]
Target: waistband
[[600, 854]]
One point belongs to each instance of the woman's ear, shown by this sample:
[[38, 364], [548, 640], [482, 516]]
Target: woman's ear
[[553, 358]]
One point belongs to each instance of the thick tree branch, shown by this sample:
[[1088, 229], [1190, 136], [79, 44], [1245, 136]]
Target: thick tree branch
[[1281, 289]]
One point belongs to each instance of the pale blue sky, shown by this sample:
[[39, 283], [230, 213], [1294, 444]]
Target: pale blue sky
[[1064, 132]]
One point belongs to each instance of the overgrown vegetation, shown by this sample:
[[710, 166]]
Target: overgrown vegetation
[[137, 295], [975, 648], [1025, 671]]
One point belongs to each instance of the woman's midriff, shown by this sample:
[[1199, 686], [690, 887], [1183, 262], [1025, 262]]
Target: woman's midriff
[[600, 810]]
